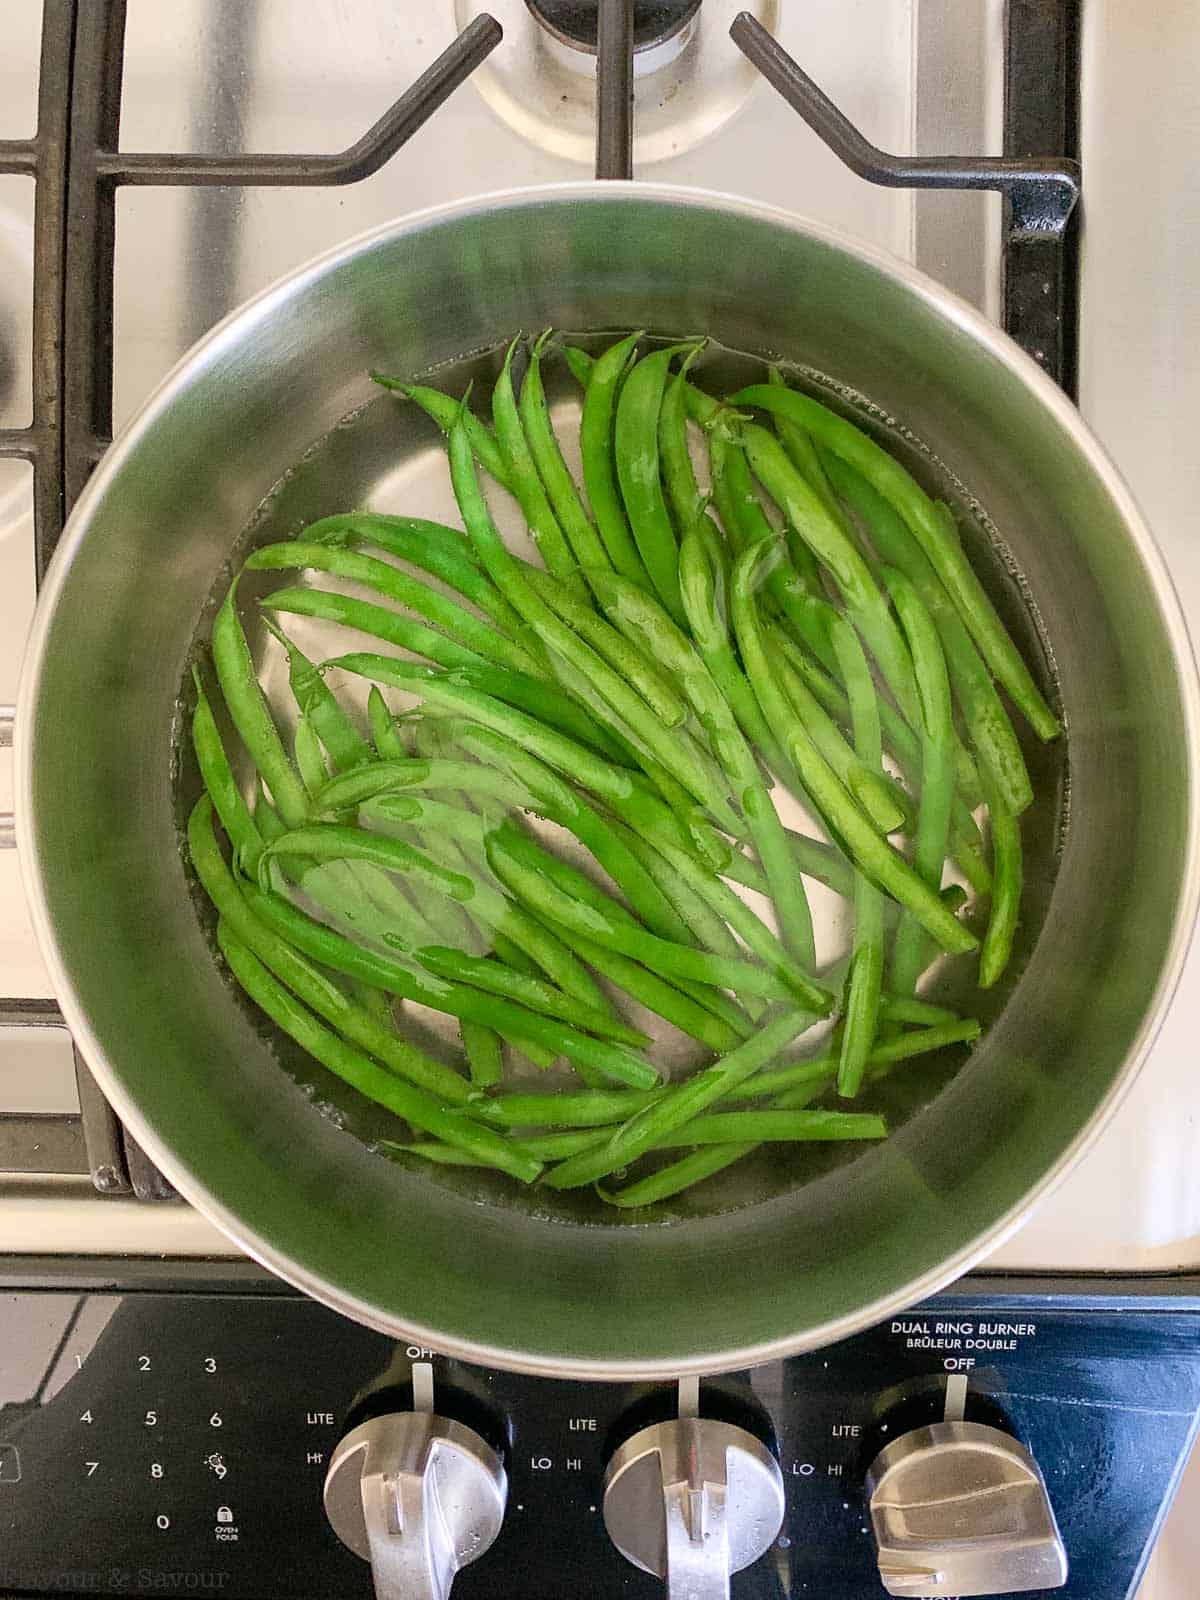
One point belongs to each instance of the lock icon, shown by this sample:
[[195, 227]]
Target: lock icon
[[224, 1514]]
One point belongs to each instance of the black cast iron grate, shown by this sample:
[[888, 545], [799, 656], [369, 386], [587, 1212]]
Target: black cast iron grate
[[77, 166]]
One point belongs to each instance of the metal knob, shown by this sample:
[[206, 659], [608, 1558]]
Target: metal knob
[[962, 1509], [416, 1496], [693, 1501]]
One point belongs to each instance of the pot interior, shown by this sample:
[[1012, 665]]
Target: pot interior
[[273, 422], [389, 456]]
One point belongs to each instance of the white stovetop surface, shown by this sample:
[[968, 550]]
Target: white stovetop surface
[[1133, 1203]]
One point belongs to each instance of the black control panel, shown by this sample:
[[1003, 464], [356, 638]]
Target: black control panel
[[171, 1436]]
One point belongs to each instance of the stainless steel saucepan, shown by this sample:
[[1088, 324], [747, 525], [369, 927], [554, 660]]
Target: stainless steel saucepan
[[277, 393]]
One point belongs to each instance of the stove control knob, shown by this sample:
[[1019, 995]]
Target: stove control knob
[[961, 1509], [418, 1497], [693, 1501]]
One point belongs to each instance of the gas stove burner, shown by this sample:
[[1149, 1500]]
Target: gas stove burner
[[689, 77], [575, 22]]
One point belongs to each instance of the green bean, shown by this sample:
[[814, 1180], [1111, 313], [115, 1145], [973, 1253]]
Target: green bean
[[749, 927], [679, 1105], [611, 846], [678, 1004], [332, 841], [316, 701], [897, 1008], [443, 552], [270, 826], [802, 453], [635, 665], [541, 1057], [875, 793], [985, 718], [457, 623], [752, 522], [492, 911], [884, 1053], [829, 542], [586, 545], [340, 889], [511, 953], [639, 616], [937, 770], [378, 621], [865, 978], [340, 842], [444, 408], [509, 577], [441, 1155], [704, 1162], [485, 1057], [678, 473], [250, 714], [875, 857], [449, 921], [579, 1109], [493, 977], [772, 1127], [637, 456], [358, 1070], [815, 859], [807, 614], [312, 986], [526, 484], [408, 774], [266, 819], [664, 999], [672, 1179], [445, 921], [720, 449], [218, 779], [686, 754], [809, 619], [704, 594], [556, 960], [309, 757], [724, 1127], [904, 745], [373, 1001], [885, 474], [385, 972], [694, 922], [540, 703], [596, 445], [580, 364], [1006, 892], [558, 1145], [701, 836], [410, 538], [619, 932], [384, 735]]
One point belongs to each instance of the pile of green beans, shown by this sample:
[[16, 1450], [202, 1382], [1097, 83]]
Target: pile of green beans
[[541, 838]]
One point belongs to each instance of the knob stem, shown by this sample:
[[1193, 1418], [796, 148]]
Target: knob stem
[[698, 1562]]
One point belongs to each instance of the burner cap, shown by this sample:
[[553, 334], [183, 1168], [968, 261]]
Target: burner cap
[[574, 22]]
